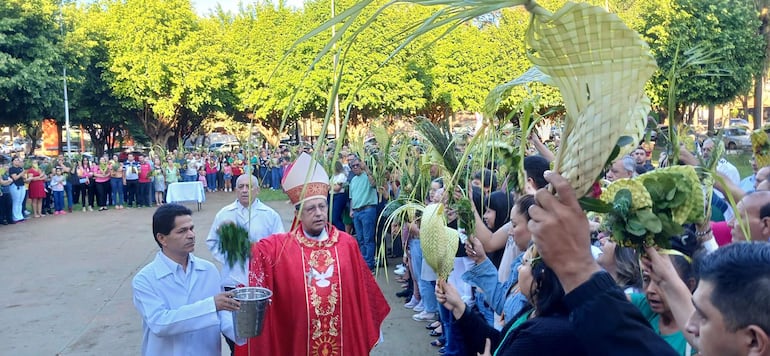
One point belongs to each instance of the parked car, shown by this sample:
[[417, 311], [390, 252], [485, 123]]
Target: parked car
[[736, 137], [225, 147], [738, 122], [19, 145]]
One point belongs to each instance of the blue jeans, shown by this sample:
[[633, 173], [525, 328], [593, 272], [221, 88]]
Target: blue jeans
[[275, 179], [427, 290], [116, 184], [264, 176], [211, 181], [190, 178], [454, 338], [364, 222], [58, 200], [338, 208], [68, 192]]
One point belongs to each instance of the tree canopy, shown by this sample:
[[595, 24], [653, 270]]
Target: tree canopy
[[157, 66]]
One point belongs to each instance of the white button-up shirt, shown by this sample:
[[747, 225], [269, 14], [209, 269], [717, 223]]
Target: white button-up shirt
[[179, 316], [261, 221]]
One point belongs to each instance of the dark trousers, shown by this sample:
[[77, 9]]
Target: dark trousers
[[143, 194], [101, 193], [47, 201], [233, 179], [68, 194], [131, 187], [220, 180], [6, 213], [92, 192], [76, 189], [85, 194]]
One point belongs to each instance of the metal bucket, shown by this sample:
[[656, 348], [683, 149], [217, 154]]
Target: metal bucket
[[248, 321]]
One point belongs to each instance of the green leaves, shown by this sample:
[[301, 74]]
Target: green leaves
[[30, 61], [234, 243]]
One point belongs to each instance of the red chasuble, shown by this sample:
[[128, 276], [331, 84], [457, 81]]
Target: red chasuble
[[325, 300]]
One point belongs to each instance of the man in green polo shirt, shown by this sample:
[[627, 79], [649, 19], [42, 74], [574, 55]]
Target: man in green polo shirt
[[363, 208]]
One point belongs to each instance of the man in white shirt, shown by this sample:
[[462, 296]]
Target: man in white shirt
[[723, 166], [178, 295], [248, 212], [191, 173]]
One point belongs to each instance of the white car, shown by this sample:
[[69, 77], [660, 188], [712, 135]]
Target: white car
[[736, 137], [225, 147]]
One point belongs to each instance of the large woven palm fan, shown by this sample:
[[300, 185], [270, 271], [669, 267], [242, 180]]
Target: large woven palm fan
[[600, 66]]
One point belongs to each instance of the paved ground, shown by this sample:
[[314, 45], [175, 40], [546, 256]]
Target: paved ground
[[66, 284]]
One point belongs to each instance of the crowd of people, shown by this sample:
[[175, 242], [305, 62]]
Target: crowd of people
[[510, 294], [42, 186], [536, 275]]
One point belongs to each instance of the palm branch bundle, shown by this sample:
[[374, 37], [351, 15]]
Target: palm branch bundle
[[649, 209], [234, 243], [600, 66], [441, 140]]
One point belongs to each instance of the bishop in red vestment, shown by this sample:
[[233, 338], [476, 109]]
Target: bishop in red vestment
[[325, 300]]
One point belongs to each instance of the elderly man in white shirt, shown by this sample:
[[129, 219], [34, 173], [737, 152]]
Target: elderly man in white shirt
[[248, 212], [178, 295]]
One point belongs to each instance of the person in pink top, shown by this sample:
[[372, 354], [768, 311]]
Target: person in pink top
[[101, 174], [211, 174], [227, 171], [145, 182]]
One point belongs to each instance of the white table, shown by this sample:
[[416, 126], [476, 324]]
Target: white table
[[186, 191]]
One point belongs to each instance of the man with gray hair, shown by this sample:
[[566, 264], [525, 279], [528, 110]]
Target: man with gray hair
[[723, 166], [624, 167], [248, 212]]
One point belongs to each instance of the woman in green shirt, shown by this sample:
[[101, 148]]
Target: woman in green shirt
[[172, 172], [653, 304]]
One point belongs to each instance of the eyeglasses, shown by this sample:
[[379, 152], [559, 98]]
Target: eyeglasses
[[355, 166]]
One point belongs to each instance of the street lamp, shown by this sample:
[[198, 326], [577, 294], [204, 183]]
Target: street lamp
[[64, 77]]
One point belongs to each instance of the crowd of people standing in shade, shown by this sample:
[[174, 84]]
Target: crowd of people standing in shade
[[41, 186]]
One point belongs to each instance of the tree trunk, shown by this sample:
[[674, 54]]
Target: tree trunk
[[158, 129], [758, 108], [711, 120]]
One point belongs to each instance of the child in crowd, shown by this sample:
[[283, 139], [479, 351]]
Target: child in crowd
[[228, 176], [159, 183], [202, 177], [57, 188]]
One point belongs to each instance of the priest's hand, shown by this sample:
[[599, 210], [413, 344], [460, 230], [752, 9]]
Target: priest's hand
[[225, 301]]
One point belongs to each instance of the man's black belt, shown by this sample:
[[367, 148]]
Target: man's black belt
[[364, 208]]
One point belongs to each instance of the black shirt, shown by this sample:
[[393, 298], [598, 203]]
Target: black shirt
[[16, 170]]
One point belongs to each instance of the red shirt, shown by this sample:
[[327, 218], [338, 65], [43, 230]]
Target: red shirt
[[144, 171]]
